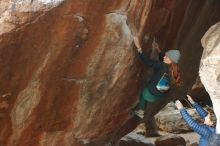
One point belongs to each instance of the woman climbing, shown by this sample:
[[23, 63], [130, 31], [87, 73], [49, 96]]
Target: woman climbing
[[205, 130], [166, 73]]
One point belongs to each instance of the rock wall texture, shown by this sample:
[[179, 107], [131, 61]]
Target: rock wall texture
[[199, 16], [170, 120], [209, 70], [70, 65]]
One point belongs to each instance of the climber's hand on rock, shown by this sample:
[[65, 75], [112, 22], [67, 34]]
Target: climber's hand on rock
[[178, 104]]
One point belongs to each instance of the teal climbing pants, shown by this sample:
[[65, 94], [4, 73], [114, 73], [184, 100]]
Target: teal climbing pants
[[146, 96]]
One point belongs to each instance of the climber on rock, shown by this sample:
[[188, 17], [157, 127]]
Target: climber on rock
[[166, 74], [205, 130]]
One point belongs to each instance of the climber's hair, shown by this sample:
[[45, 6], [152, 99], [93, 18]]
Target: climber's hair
[[176, 74]]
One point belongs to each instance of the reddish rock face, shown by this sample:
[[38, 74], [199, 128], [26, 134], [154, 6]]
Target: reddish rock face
[[71, 67]]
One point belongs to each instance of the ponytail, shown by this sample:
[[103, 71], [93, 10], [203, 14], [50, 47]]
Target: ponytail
[[176, 74]]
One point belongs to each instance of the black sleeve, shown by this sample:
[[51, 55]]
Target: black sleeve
[[149, 62]]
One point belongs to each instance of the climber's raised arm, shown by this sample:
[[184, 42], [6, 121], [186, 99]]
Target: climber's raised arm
[[147, 61]]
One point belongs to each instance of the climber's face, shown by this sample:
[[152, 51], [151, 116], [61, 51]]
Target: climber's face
[[167, 60]]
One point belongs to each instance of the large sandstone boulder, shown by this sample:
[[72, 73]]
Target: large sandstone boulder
[[71, 68], [210, 67], [18, 12]]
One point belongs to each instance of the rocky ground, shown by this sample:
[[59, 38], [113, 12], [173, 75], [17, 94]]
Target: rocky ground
[[191, 138], [172, 128]]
